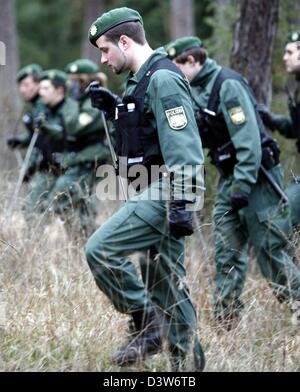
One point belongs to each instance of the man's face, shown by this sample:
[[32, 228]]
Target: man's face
[[50, 94], [28, 88], [112, 55], [291, 57]]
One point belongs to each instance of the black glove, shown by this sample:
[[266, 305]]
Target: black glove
[[103, 99], [29, 173], [13, 141], [239, 200], [28, 121], [39, 121], [180, 220], [270, 120]]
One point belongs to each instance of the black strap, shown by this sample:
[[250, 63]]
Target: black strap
[[142, 86], [225, 73]]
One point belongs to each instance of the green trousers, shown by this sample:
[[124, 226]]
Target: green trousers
[[162, 269], [266, 225], [71, 199], [293, 193], [38, 193]]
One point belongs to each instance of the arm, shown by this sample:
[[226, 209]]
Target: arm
[[177, 130], [276, 122], [239, 114]]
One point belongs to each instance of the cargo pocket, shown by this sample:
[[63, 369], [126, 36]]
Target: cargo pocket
[[154, 215]]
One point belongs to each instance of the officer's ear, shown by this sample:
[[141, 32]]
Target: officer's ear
[[124, 42], [190, 60]]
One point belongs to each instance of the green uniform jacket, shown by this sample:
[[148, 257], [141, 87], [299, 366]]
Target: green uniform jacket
[[285, 124], [168, 90], [60, 121], [244, 134], [89, 125]]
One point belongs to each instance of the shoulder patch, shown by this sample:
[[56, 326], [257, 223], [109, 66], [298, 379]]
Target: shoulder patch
[[85, 119], [176, 118], [237, 115]]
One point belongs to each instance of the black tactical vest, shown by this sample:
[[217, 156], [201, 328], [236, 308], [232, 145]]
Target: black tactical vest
[[214, 131], [137, 138], [45, 143]]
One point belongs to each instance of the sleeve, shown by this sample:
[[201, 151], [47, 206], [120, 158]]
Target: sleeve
[[285, 126], [89, 119], [24, 137], [179, 139], [53, 130], [240, 117]]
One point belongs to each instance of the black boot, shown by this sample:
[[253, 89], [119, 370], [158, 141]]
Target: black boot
[[144, 340]]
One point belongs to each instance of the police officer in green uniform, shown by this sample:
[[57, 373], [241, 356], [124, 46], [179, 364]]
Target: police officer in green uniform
[[289, 126], [155, 125], [73, 157], [59, 117], [28, 82], [248, 206], [87, 147]]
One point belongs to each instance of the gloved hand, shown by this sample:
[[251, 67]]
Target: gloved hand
[[180, 220], [39, 121], [13, 141], [29, 173], [239, 200], [270, 120], [28, 121], [103, 99]]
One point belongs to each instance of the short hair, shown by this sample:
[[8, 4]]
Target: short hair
[[56, 85], [199, 54], [133, 30]]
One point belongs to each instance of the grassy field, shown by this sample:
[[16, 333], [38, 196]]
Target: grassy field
[[54, 318]]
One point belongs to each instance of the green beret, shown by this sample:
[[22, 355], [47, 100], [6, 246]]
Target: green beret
[[294, 36], [30, 70], [180, 45], [82, 66], [55, 75], [112, 19]]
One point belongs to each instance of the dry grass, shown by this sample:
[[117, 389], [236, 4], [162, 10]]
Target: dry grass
[[57, 320]]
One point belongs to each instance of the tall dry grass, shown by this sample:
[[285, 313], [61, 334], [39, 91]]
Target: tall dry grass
[[54, 318]]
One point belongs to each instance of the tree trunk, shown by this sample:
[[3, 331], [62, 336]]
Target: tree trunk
[[93, 9], [182, 18], [9, 99], [254, 38]]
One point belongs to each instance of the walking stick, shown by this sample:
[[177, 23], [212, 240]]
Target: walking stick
[[23, 170], [113, 155], [17, 153]]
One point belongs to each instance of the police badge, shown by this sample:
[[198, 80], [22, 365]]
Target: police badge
[[237, 115], [176, 118]]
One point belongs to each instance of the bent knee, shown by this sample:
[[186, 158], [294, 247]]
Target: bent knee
[[92, 248]]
